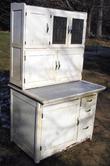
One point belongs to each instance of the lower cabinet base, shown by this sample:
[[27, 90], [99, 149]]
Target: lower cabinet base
[[47, 153], [44, 130]]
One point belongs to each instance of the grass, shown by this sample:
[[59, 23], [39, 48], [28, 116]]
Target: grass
[[97, 42], [4, 50]]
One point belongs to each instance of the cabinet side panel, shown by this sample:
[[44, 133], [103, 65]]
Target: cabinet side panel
[[17, 26], [16, 66], [23, 123]]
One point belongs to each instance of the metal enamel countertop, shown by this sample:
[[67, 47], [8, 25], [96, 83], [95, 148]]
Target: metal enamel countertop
[[59, 92]]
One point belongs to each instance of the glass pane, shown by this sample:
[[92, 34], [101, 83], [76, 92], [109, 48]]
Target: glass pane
[[59, 30], [77, 31]]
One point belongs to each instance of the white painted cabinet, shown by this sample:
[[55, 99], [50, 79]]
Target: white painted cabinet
[[40, 27], [47, 45], [45, 129]]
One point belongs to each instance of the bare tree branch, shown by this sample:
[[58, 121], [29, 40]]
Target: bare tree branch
[[68, 4]]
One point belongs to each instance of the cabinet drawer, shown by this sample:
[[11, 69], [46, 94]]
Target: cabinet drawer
[[89, 101], [85, 128], [86, 112]]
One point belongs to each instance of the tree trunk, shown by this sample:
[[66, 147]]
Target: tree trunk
[[68, 5], [89, 20], [100, 20], [89, 23]]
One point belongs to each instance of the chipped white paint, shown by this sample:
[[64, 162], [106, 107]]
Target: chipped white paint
[[48, 119], [39, 62], [43, 130]]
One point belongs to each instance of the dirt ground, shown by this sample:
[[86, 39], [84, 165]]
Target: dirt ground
[[89, 153]]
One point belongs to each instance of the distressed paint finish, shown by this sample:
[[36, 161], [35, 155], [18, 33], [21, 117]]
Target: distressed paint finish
[[40, 62], [48, 119], [52, 127]]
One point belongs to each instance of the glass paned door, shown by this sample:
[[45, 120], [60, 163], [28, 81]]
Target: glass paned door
[[59, 30], [77, 31]]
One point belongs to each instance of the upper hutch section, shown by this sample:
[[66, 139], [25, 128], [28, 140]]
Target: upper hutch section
[[38, 27]]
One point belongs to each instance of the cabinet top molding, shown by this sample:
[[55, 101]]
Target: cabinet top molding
[[46, 10]]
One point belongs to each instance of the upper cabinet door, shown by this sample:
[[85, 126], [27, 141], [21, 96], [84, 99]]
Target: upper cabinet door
[[59, 30], [77, 31], [37, 30], [68, 31]]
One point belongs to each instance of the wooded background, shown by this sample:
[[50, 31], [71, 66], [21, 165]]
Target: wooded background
[[98, 13]]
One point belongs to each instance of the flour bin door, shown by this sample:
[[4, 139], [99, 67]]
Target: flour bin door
[[59, 126], [37, 30]]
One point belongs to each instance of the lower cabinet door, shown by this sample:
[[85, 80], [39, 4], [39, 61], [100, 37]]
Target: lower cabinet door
[[39, 70], [59, 126], [70, 67]]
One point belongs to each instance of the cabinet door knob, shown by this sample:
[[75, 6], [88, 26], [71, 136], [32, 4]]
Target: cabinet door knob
[[56, 66], [86, 128], [59, 65], [47, 28], [90, 100], [69, 30], [88, 110], [77, 122]]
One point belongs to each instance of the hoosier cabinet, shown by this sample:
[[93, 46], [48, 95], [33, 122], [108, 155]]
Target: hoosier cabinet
[[52, 108]]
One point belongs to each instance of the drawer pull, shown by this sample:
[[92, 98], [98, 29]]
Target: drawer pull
[[90, 100], [88, 110], [86, 128]]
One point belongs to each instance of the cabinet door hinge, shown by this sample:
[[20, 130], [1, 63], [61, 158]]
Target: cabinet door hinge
[[42, 116], [25, 58], [25, 42], [24, 80], [40, 148], [25, 13]]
